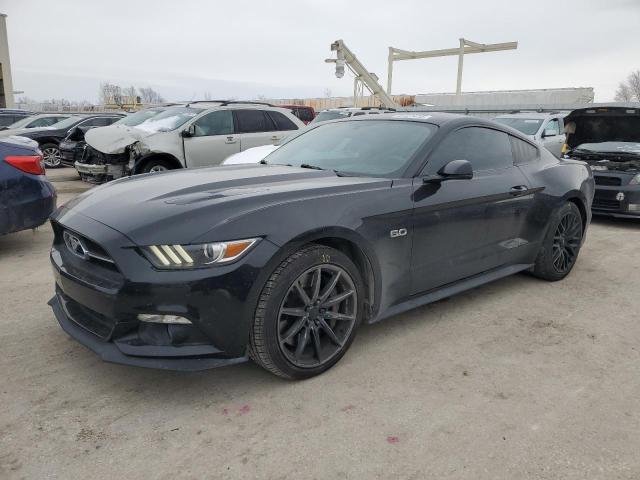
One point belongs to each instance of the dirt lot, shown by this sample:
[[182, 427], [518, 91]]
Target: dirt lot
[[517, 379]]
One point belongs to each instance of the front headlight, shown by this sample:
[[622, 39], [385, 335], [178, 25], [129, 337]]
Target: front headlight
[[635, 180], [197, 256]]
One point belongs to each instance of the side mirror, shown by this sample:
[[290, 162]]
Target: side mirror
[[189, 131], [454, 170]]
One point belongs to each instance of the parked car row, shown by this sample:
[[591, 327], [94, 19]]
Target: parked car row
[[50, 130]]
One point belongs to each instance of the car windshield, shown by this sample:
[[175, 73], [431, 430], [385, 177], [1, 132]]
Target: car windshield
[[170, 119], [22, 122], [361, 148], [139, 117], [330, 115], [611, 147], [528, 126]]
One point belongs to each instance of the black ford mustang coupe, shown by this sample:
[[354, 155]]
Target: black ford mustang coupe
[[351, 221]]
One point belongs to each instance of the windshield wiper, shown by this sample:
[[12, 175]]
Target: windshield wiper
[[315, 167], [312, 167]]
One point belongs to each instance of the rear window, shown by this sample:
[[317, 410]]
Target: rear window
[[304, 114], [528, 126]]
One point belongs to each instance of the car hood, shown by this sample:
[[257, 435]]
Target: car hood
[[180, 206], [114, 139], [600, 125]]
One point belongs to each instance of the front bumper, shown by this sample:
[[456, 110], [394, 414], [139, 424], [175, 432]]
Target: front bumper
[[622, 201], [98, 302], [113, 352], [100, 173]]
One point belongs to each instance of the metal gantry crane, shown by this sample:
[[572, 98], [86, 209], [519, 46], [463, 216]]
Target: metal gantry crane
[[466, 47], [363, 78]]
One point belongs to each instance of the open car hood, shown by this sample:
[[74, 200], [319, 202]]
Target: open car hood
[[598, 125], [114, 138]]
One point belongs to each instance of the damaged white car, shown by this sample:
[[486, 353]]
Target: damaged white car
[[197, 134]]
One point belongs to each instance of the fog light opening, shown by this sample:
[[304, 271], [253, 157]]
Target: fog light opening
[[634, 207], [152, 318]]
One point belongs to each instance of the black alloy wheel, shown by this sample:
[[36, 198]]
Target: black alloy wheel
[[317, 315], [308, 313], [566, 242], [560, 247]]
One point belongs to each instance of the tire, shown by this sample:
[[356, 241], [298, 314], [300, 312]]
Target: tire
[[562, 241], [156, 165], [51, 155], [330, 328]]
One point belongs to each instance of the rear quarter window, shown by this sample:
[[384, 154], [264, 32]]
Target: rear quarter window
[[523, 152], [282, 122]]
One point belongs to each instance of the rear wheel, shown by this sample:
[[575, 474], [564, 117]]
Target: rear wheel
[[307, 314], [51, 155], [561, 245]]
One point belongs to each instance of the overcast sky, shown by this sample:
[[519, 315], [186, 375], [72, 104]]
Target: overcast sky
[[243, 48]]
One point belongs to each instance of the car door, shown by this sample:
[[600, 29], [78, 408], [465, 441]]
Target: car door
[[255, 128], [212, 139], [462, 227], [553, 137]]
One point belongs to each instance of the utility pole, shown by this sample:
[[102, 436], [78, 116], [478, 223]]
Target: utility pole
[[466, 47]]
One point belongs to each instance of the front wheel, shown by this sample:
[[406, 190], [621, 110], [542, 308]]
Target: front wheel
[[561, 245], [307, 314], [156, 165], [51, 155]]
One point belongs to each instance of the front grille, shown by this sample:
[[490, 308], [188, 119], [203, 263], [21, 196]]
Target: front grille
[[82, 247], [609, 181], [86, 318], [606, 204]]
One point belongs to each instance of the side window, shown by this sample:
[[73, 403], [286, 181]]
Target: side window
[[282, 122], [252, 121], [214, 123], [552, 128], [110, 120], [357, 114], [523, 152], [92, 122], [485, 148]]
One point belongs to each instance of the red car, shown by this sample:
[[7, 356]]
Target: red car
[[304, 113]]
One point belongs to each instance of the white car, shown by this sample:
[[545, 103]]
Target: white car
[[197, 134], [547, 129], [252, 155]]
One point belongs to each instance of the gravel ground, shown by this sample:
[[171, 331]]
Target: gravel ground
[[516, 379]]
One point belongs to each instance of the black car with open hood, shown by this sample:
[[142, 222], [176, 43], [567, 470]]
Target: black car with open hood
[[608, 139]]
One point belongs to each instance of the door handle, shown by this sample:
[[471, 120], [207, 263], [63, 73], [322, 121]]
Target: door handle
[[230, 140], [275, 137], [518, 190]]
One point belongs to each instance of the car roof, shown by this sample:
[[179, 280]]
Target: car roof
[[452, 121]]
